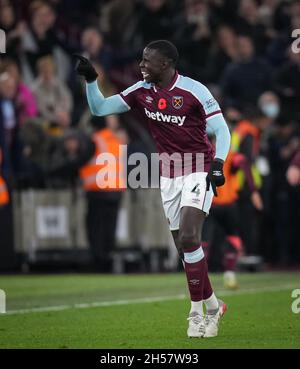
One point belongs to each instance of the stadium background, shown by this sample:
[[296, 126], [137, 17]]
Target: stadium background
[[239, 49], [45, 135]]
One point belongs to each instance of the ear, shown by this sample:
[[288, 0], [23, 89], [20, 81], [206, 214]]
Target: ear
[[166, 64]]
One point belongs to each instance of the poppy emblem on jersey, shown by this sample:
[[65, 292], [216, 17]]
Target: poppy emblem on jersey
[[162, 104], [177, 102]]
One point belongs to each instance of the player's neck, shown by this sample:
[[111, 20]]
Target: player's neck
[[167, 79]]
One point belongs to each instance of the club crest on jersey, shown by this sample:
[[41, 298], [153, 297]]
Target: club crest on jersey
[[177, 102]]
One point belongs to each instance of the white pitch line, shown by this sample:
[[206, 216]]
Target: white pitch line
[[144, 300]]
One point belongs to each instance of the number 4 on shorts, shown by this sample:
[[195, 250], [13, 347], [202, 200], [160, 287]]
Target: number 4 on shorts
[[196, 190]]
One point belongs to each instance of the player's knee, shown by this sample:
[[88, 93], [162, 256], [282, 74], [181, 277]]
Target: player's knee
[[188, 240]]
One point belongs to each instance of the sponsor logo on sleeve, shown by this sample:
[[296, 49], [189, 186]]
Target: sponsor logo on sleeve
[[210, 104]]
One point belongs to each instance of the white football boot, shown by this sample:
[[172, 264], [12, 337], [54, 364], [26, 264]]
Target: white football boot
[[196, 326], [212, 320]]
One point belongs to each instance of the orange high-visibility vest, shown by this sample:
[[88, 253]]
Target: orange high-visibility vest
[[228, 193], [106, 175], [243, 129], [4, 197]]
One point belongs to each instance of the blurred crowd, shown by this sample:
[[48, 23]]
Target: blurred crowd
[[241, 49]]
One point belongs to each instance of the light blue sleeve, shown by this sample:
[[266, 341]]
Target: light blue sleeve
[[99, 105], [216, 125]]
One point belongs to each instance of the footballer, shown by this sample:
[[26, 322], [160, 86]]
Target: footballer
[[180, 113]]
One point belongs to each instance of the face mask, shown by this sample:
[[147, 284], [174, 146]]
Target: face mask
[[271, 110]]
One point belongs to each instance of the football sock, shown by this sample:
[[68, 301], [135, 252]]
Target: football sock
[[207, 288], [212, 304], [195, 272], [209, 298], [197, 306]]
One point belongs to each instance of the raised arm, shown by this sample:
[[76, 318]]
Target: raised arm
[[99, 105]]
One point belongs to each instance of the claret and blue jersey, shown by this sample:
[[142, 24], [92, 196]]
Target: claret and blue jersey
[[179, 116]]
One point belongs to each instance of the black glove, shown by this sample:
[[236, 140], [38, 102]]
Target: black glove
[[215, 176], [84, 68]]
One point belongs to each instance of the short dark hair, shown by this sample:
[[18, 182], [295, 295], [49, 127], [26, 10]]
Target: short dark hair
[[165, 48]]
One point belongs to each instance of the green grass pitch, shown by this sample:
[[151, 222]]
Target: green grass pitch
[[143, 311]]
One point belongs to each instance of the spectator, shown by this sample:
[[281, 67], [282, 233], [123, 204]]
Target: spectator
[[244, 81], [12, 27], [224, 11], [53, 96], [284, 144], [233, 115], [9, 127], [25, 100], [154, 21], [246, 140], [118, 21], [193, 38], [283, 18], [287, 82], [293, 173], [223, 52], [36, 147], [103, 196], [293, 178], [4, 196], [40, 39], [69, 153], [269, 104], [249, 23], [267, 11], [224, 216], [92, 43]]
